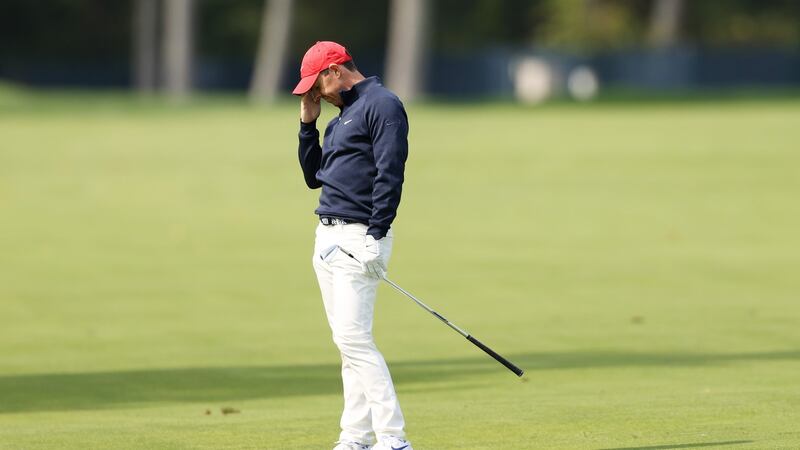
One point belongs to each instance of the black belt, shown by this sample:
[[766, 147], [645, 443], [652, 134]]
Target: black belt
[[330, 220]]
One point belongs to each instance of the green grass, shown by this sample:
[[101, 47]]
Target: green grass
[[640, 261]]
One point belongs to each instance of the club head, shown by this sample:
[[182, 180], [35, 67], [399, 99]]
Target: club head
[[327, 253]]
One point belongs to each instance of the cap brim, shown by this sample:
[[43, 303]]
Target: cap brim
[[305, 84]]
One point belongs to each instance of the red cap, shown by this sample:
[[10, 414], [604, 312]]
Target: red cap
[[318, 58]]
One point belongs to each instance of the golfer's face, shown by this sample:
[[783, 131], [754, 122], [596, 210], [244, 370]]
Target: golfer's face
[[327, 87]]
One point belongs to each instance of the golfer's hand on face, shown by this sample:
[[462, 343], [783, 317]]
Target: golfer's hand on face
[[309, 106], [371, 258]]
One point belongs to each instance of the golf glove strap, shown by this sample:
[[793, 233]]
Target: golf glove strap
[[371, 258]]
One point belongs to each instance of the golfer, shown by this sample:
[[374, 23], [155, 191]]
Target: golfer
[[360, 169]]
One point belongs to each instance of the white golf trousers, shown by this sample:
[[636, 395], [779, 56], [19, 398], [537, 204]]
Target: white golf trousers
[[371, 408]]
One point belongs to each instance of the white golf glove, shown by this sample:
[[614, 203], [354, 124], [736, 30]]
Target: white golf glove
[[371, 258]]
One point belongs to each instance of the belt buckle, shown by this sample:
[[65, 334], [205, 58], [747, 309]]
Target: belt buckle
[[327, 221]]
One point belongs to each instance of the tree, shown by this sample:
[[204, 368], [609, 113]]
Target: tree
[[145, 45], [665, 22], [408, 33], [271, 55], [588, 24], [177, 48]]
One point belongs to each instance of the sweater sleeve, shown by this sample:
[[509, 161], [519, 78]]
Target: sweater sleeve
[[388, 125], [310, 153]]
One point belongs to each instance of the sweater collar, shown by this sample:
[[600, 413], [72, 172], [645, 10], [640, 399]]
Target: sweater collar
[[358, 89]]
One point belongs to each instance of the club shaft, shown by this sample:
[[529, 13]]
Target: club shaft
[[499, 358], [428, 308]]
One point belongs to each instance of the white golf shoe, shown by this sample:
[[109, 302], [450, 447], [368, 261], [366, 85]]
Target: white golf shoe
[[392, 443], [350, 445]]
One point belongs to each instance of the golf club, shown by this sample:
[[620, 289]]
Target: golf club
[[326, 254]]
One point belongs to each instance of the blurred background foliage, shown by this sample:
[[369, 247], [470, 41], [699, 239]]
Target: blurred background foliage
[[98, 29], [531, 49]]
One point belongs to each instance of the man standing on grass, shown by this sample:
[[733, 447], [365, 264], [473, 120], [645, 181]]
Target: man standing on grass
[[360, 170]]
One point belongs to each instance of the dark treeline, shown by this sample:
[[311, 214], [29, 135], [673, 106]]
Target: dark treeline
[[97, 30]]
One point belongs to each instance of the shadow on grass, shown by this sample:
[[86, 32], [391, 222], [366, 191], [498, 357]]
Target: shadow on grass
[[669, 446], [588, 359], [97, 390]]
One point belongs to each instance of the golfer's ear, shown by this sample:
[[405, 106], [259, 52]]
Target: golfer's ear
[[335, 69]]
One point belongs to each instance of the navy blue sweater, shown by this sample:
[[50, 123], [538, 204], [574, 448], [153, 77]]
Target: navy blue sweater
[[361, 162]]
